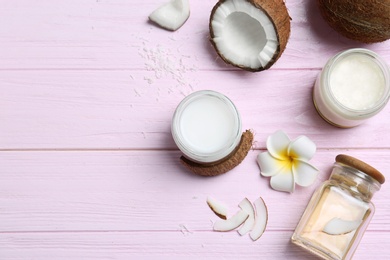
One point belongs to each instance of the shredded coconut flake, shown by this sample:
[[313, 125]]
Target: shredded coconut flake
[[185, 230], [163, 64]]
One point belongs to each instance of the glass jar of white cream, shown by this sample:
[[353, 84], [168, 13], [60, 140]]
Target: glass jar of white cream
[[353, 86], [206, 127]]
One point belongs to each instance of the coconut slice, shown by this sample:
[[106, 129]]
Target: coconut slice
[[217, 207], [232, 223], [261, 219], [250, 34], [247, 206], [172, 15], [338, 226]]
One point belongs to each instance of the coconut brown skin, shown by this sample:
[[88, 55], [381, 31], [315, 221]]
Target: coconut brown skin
[[366, 21], [277, 12], [223, 166]]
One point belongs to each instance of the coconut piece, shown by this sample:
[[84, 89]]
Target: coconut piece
[[338, 226], [172, 15], [250, 34], [261, 219], [365, 21], [217, 207], [232, 223], [247, 206], [225, 165]]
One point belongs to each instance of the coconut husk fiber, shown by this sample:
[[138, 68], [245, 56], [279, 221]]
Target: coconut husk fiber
[[366, 21], [234, 159]]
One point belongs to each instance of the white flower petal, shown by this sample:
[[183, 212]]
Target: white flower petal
[[283, 181], [302, 148], [277, 144], [269, 166], [304, 173]]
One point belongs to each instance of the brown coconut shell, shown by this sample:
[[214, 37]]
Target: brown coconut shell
[[366, 21], [277, 12], [225, 165]]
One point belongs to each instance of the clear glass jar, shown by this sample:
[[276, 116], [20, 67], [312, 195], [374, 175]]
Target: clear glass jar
[[353, 86], [340, 210], [206, 127]]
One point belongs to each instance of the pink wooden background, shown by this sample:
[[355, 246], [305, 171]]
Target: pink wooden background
[[88, 167]]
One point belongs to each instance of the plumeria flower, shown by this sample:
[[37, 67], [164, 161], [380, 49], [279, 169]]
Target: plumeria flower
[[287, 162]]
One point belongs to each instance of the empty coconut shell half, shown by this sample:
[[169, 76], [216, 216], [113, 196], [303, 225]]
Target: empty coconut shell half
[[365, 21], [250, 34]]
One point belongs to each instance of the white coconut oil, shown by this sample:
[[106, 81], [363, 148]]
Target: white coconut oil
[[353, 86], [206, 126]]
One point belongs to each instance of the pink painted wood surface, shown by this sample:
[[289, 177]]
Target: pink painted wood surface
[[88, 167]]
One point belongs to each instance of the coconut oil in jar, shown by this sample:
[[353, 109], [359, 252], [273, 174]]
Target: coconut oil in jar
[[206, 127], [340, 210], [353, 86]]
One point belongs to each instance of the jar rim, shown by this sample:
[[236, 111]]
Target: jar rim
[[341, 108], [188, 150]]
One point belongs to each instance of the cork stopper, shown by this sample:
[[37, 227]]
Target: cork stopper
[[361, 166], [234, 159]]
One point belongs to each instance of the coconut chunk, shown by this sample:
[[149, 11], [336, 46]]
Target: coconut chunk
[[338, 226], [247, 206], [172, 15], [217, 207], [232, 223], [250, 34], [260, 220]]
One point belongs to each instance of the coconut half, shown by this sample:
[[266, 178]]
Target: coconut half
[[365, 21], [250, 34], [171, 15]]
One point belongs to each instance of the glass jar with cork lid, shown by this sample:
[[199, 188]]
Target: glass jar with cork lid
[[340, 210]]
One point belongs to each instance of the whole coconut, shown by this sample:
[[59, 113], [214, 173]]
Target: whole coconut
[[366, 21]]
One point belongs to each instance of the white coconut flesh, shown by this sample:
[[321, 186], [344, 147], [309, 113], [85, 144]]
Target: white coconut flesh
[[231, 223], [217, 207], [244, 34], [261, 219], [171, 15], [247, 206], [338, 226]]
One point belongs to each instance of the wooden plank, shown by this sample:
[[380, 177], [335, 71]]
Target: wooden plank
[[172, 245], [124, 110], [147, 191], [117, 35], [88, 168]]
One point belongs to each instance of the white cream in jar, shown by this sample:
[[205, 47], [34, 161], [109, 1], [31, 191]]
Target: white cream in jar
[[353, 86], [206, 126]]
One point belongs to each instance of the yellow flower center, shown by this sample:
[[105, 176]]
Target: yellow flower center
[[289, 159]]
